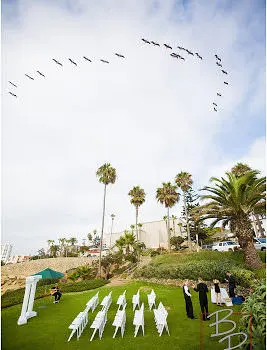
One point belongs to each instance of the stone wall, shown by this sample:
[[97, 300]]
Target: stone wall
[[13, 275]]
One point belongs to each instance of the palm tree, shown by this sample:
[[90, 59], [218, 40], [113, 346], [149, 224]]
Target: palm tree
[[89, 237], [62, 243], [240, 169], [184, 181], [139, 229], [54, 249], [106, 175], [50, 242], [232, 200], [168, 196], [138, 196], [112, 221], [173, 223], [72, 242], [132, 227]]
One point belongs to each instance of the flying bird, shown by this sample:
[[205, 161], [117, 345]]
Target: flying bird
[[189, 52], [225, 82], [104, 61], [57, 62], [218, 64], [215, 104], [218, 58], [41, 73], [87, 59], [11, 93], [156, 44], [117, 54], [218, 94], [224, 72], [199, 56], [72, 61], [12, 84], [173, 54], [29, 77], [215, 109], [146, 41], [168, 46], [181, 48]]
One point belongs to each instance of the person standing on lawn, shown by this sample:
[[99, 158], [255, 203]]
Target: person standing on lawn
[[202, 290], [188, 301], [217, 292], [231, 283]]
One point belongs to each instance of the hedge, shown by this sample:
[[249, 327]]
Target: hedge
[[13, 297]]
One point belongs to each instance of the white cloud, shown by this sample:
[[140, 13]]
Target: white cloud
[[149, 115]]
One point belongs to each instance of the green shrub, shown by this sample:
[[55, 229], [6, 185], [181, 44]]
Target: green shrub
[[243, 277], [14, 297], [262, 256], [154, 253], [84, 272], [255, 305], [260, 274], [47, 281]]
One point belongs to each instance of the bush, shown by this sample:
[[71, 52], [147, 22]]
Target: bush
[[154, 253], [262, 256], [255, 305], [243, 277], [14, 297], [47, 281], [84, 272]]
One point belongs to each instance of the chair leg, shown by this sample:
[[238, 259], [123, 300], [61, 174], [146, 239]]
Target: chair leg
[[143, 327], [114, 335], [93, 334], [73, 331]]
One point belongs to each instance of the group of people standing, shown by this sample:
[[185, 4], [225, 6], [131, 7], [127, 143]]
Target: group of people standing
[[202, 290]]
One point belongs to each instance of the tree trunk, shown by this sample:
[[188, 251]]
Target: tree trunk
[[173, 222], [136, 222], [244, 233], [168, 229], [102, 231], [187, 225]]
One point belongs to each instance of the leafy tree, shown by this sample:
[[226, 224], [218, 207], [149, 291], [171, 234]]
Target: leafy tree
[[168, 196], [232, 200], [240, 169], [176, 241], [41, 253], [106, 175], [138, 196], [184, 182]]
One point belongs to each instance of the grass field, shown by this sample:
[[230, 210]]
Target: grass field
[[49, 330]]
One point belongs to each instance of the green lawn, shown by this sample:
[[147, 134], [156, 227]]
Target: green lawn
[[49, 330]]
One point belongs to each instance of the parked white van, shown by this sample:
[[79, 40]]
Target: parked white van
[[225, 246]]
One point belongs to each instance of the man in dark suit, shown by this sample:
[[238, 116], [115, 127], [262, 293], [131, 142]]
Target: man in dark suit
[[202, 290], [188, 301], [231, 283]]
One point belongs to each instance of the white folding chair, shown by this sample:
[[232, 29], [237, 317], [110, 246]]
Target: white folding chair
[[136, 300], [160, 317], [121, 300], [99, 323], [78, 324], [151, 298], [92, 303], [119, 321], [106, 302], [139, 320]]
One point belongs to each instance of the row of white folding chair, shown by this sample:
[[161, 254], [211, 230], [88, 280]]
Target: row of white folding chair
[[78, 324], [99, 322], [160, 317], [120, 321], [92, 303], [106, 302], [139, 320], [121, 300], [136, 300], [151, 298]]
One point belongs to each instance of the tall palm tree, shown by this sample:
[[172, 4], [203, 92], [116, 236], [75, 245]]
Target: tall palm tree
[[184, 182], [106, 175], [50, 242], [232, 200], [62, 243], [168, 196], [173, 223], [132, 227], [139, 229], [112, 221], [89, 237], [138, 196]]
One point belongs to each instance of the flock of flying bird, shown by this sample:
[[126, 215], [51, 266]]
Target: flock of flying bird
[[173, 54]]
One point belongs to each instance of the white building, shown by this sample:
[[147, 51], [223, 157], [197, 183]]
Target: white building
[[153, 234], [5, 251]]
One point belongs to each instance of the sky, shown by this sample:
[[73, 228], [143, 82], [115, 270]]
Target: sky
[[150, 115]]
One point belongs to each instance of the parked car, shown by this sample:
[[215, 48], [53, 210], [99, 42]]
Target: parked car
[[225, 246], [260, 243]]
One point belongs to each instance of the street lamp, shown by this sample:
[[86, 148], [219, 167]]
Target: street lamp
[[112, 217]]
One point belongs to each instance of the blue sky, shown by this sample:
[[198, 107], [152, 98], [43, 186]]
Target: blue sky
[[149, 115]]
